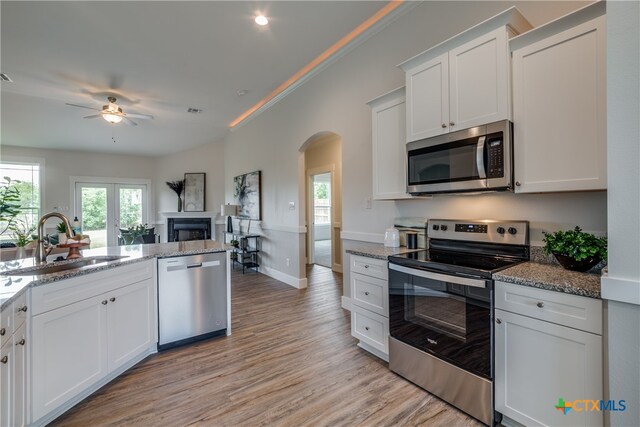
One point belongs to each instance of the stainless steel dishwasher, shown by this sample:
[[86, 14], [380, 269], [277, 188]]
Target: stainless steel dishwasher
[[192, 298]]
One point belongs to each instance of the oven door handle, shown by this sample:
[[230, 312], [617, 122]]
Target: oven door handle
[[480, 157], [476, 283]]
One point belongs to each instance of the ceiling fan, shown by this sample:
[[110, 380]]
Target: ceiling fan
[[113, 113]]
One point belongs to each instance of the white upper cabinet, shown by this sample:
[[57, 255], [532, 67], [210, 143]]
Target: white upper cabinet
[[389, 148], [559, 98], [428, 107], [464, 81]]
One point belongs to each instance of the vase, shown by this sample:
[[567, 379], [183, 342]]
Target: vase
[[179, 204], [21, 252], [62, 238], [571, 264]]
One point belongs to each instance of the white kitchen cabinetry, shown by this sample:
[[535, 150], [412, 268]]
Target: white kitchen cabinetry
[[86, 330], [370, 304], [389, 147], [548, 345], [462, 82], [13, 364], [559, 98]]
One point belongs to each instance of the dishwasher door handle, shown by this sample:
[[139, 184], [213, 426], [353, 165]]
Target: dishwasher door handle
[[204, 264]]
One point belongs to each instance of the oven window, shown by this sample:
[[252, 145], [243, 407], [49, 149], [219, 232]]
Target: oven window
[[450, 321], [444, 163]]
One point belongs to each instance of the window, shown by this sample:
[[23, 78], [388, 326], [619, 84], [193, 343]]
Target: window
[[322, 202], [25, 178]]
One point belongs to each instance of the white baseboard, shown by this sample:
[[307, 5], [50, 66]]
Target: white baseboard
[[346, 303], [283, 277], [374, 351]]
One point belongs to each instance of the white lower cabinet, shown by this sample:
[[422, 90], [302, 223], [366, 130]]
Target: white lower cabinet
[[20, 376], [6, 398], [13, 361], [69, 353], [370, 304], [80, 344], [538, 362]]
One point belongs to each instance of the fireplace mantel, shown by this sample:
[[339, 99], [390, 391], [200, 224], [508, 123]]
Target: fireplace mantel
[[165, 215]]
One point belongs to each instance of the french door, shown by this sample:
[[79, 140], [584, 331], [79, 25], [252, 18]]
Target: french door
[[103, 208]]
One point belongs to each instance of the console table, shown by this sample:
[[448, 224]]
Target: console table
[[246, 252]]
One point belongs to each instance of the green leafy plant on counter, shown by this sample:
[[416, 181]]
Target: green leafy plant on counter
[[575, 244], [22, 233], [134, 233], [61, 227]]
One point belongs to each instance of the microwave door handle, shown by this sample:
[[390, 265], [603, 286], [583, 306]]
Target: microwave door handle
[[480, 157]]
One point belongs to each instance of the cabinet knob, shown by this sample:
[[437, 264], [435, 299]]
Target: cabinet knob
[[112, 299], [2, 332], [518, 184], [366, 266], [366, 293], [23, 308], [4, 359], [21, 342], [366, 328], [498, 320], [540, 304], [104, 302], [452, 124], [444, 125]]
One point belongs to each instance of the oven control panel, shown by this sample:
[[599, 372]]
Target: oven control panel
[[493, 231]]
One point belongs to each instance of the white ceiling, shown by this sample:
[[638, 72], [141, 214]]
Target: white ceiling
[[158, 58]]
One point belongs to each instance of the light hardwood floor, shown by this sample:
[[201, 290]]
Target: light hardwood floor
[[290, 361]]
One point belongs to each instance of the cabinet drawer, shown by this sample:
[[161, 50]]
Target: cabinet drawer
[[20, 310], [370, 293], [370, 328], [369, 267], [6, 327], [65, 292], [568, 310]]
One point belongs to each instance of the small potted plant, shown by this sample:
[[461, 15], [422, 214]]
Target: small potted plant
[[22, 235], [62, 233], [234, 243], [575, 249], [133, 235]]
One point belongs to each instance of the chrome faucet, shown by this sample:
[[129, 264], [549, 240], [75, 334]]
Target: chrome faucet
[[41, 250]]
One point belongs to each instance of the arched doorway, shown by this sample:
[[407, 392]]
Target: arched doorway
[[321, 180]]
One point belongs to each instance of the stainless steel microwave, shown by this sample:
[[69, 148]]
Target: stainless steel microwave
[[470, 160]]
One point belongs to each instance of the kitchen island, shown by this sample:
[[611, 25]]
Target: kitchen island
[[64, 334]]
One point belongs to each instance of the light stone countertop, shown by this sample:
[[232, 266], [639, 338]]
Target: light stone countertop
[[380, 251], [13, 286], [553, 278]]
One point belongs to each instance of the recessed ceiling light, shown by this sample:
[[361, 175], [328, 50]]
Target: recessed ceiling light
[[241, 92], [5, 78], [193, 110], [261, 20]]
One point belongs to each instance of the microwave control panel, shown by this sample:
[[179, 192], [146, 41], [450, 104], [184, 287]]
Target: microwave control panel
[[495, 151]]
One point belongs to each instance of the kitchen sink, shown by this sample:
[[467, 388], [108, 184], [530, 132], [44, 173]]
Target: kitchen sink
[[48, 269]]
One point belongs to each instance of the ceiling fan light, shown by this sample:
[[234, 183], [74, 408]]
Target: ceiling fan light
[[112, 118]]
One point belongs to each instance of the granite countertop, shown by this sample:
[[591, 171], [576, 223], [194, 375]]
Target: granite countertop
[[12, 286], [380, 251], [553, 278]]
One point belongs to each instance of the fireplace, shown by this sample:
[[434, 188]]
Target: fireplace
[[182, 229]]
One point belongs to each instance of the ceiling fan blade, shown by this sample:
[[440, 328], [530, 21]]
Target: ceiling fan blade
[[129, 121], [84, 106], [138, 116], [93, 116]]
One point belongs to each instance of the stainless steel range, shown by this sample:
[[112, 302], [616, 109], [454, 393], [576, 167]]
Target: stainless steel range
[[441, 309]]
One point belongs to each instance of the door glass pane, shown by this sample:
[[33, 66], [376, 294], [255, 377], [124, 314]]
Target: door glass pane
[[94, 215], [322, 219], [130, 207]]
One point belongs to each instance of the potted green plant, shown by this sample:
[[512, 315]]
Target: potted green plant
[[575, 249], [9, 205], [133, 234], [62, 233], [22, 235]]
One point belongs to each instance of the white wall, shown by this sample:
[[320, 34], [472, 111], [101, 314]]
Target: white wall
[[622, 287], [209, 159], [335, 101], [60, 165]]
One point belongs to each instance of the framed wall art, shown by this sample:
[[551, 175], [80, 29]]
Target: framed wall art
[[247, 195], [194, 194]]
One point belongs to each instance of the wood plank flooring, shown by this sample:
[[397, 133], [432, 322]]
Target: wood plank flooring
[[290, 361]]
